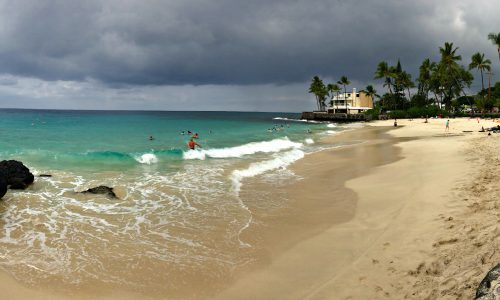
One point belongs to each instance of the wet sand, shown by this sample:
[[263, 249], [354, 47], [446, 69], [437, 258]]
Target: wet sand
[[412, 231], [370, 220]]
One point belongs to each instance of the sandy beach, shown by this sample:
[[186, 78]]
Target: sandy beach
[[395, 213], [420, 227]]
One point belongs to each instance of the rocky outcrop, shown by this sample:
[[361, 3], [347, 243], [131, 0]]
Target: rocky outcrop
[[103, 190], [489, 288], [3, 187], [14, 175]]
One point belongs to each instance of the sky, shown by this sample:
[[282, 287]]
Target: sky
[[224, 55]]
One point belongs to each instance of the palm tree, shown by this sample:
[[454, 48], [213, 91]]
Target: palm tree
[[344, 82], [333, 89], [371, 92], [383, 71], [406, 82], [448, 54], [495, 39], [318, 88], [478, 62], [424, 78], [449, 67]]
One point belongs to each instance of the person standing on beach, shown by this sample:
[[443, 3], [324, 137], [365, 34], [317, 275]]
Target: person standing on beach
[[447, 129]]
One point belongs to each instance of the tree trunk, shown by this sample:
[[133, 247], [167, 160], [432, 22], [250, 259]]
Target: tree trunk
[[482, 82]]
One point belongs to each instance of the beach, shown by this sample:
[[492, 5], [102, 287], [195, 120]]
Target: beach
[[421, 226], [388, 213]]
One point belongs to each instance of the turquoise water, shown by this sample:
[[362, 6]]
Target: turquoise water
[[181, 215], [99, 140]]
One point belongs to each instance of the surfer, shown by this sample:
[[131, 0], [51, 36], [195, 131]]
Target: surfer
[[192, 144]]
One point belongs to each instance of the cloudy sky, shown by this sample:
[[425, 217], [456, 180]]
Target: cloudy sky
[[250, 55]]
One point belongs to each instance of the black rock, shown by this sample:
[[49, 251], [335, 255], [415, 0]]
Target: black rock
[[44, 175], [3, 187], [15, 174], [489, 288], [103, 190]]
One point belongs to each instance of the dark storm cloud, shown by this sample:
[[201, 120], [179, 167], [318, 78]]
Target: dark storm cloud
[[229, 42]]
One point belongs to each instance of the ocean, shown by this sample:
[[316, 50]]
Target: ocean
[[181, 214]]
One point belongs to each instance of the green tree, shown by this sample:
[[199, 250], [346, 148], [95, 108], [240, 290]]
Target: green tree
[[334, 90], [384, 72], [318, 88], [344, 82], [424, 77], [495, 39], [371, 92], [452, 77], [478, 62], [406, 82], [484, 104]]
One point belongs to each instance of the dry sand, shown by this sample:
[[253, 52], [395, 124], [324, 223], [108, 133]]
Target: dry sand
[[410, 215], [424, 227]]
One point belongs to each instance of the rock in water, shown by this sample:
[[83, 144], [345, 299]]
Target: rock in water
[[103, 190], [15, 174], [3, 187], [489, 288]]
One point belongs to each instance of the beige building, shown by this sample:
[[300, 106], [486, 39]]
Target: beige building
[[351, 102]]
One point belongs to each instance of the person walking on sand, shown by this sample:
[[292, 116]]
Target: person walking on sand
[[192, 144], [447, 129]]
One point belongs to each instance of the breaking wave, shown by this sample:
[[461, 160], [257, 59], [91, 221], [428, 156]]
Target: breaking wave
[[272, 146], [257, 168]]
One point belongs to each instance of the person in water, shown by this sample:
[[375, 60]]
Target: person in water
[[192, 144], [151, 138]]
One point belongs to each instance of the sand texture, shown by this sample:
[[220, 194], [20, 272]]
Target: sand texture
[[395, 213], [424, 227]]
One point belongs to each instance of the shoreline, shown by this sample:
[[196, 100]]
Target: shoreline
[[386, 249], [346, 233]]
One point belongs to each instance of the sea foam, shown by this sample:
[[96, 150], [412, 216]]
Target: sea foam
[[272, 146], [147, 158], [257, 168]]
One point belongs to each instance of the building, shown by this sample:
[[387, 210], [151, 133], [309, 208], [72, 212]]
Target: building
[[351, 102]]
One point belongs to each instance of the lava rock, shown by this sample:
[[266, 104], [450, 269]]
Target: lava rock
[[3, 187], [15, 174], [489, 288], [102, 190]]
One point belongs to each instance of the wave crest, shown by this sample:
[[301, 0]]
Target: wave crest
[[272, 146], [258, 168]]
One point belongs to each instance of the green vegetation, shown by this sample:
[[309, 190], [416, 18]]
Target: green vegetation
[[322, 91], [318, 88], [438, 89], [495, 39]]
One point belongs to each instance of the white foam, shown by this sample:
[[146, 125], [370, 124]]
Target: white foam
[[296, 120], [281, 161], [148, 158], [286, 119], [331, 125], [309, 141], [272, 146]]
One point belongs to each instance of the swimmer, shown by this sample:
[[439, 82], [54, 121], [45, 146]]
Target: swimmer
[[151, 138], [192, 144]]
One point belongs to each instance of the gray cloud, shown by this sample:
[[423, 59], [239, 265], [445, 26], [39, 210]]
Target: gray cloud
[[199, 42], [221, 54]]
